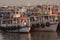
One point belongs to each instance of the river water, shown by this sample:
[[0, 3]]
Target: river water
[[30, 36]]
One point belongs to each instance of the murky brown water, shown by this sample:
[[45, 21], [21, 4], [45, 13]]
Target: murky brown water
[[31, 36]]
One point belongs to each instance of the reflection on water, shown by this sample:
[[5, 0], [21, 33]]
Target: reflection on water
[[30, 36], [44, 36], [15, 36]]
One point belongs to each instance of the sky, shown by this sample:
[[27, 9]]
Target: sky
[[25, 2]]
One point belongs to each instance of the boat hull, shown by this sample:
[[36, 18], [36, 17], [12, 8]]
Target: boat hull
[[25, 29], [50, 28]]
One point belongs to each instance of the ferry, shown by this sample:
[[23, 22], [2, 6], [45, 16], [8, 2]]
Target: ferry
[[45, 19], [44, 23], [14, 22]]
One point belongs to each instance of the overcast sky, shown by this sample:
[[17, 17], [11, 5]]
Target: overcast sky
[[25, 2]]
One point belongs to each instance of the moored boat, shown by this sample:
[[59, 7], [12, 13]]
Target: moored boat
[[46, 23], [14, 22]]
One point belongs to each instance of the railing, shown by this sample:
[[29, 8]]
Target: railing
[[27, 20]]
